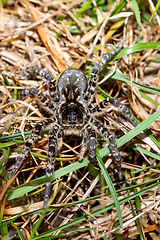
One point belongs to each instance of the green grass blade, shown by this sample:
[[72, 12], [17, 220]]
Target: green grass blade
[[137, 12], [34, 184], [143, 95], [63, 233], [4, 232], [18, 231], [127, 137], [119, 7], [10, 143], [156, 9], [3, 2], [15, 136], [132, 207], [110, 186], [3, 161], [137, 47], [120, 77], [80, 13], [152, 155], [138, 206]]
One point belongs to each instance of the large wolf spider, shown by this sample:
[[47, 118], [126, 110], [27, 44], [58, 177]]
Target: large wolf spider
[[72, 115]]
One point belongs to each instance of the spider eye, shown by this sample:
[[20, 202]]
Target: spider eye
[[72, 117]]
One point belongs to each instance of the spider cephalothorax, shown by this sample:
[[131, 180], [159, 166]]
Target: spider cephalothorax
[[71, 114]]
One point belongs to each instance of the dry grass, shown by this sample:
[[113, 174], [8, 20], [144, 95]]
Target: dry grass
[[57, 35]]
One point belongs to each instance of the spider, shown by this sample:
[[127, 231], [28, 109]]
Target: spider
[[71, 114]]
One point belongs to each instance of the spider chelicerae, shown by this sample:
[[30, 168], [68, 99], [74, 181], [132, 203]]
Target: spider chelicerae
[[72, 114]]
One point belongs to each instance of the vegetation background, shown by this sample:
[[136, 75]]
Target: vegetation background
[[87, 202]]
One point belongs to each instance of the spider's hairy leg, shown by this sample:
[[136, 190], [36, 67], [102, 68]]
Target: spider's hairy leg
[[93, 79], [99, 109], [52, 153], [59, 140], [92, 145], [51, 82], [29, 143], [84, 145], [103, 131], [41, 97]]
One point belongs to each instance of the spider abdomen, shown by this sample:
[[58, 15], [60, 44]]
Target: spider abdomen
[[72, 85]]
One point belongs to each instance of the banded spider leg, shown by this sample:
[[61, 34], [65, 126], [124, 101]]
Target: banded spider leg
[[29, 143], [55, 137], [93, 79], [99, 109], [104, 132]]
